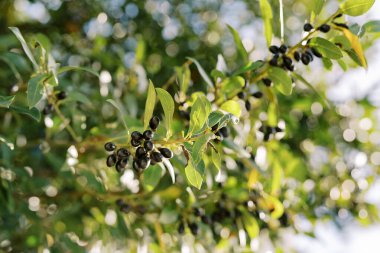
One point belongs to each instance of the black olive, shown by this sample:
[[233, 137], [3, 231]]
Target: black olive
[[307, 27], [123, 152], [136, 135], [148, 134], [143, 162], [167, 153], [297, 56], [267, 81], [257, 94], [316, 52], [274, 49], [181, 228], [206, 219], [247, 105], [121, 164], [305, 59], [283, 49], [140, 152], [109, 146], [111, 160], [224, 131], [241, 95], [193, 228], [154, 122], [135, 143], [324, 28], [156, 157], [148, 145], [125, 208], [48, 109], [287, 61], [61, 95]]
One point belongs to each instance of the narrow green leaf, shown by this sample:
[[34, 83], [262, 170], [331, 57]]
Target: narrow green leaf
[[310, 86], [79, 97], [281, 80], [266, 12], [167, 104], [200, 111], [149, 104], [198, 148], [43, 41], [216, 160], [35, 89], [76, 68], [34, 113], [6, 101], [327, 63], [251, 66], [356, 7], [277, 175], [326, 48], [239, 45], [152, 176], [232, 107], [214, 118], [203, 73], [372, 26], [251, 225], [193, 176], [121, 114], [355, 43], [317, 6], [231, 86], [25, 46]]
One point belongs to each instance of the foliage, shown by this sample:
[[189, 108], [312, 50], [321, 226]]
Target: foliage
[[254, 150]]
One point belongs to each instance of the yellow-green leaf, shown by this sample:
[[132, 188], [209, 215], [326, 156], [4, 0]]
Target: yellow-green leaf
[[251, 225], [167, 104], [239, 45], [35, 89], [6, 101], [355, 43], [149, 104], [232, 107], [266, 12], [326, 48], [281, 80], [356, 7], [193, 175]]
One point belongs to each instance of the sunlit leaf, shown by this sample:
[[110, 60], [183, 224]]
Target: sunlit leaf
[[239, 45], [25, 46], [193, 175], [232, 107], [326, 48], [266, 12], [6, 101], [149, 104], [281, 80], [356, 7], [355, 43], [167, 104], [203, 73]]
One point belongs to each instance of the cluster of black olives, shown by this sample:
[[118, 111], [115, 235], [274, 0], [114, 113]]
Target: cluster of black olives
[[243, 96], [118, 158], [222, 133], [280, 59], [269, 130], [49, 108], [145, 153], [126, 208]]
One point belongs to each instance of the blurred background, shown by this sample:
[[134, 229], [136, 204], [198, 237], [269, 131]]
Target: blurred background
[[130, 42]]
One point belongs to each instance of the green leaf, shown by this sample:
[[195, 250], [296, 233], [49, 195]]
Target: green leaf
[[167, 104], [281, 80], [216, 160], [43, 41], [355, 43], [251, 66], [272, 114], [239, 45], [203, 73], [76, 68], [6, 101], [34, 113], [10, 145], [231, 86], [277, 175], [200, 111], [310, 86], [193, 175], [356, 7], [266, 12], [25, 46], [35, 89], [77, 96], [372, 26], [149, 104], [214, 118], [152, 176], [317, 6], [327, 63], [251, 225], [121, 113], [198, 148], [232, 107], [326, 48]]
